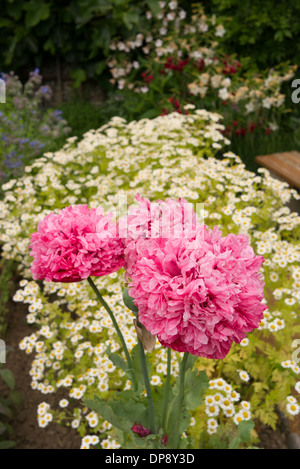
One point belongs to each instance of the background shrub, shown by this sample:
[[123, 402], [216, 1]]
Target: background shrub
[[266, 31], [76, 32]]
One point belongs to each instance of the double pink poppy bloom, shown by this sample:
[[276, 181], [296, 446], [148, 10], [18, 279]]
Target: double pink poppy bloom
[[196, 290]]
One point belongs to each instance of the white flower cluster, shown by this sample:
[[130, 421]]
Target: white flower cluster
[[170, 156], [44, 415], [221, 400]]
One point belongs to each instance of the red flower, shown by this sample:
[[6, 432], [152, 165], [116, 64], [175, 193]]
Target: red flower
[[229, 68], [200, 65], [147, 78], [182, 64], [240, 131], [176, 103], [169, 64]]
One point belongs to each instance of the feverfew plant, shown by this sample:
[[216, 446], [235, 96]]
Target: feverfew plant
[[74, 345], [28, 127]]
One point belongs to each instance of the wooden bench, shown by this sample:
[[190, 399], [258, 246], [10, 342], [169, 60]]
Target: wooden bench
[[286, 166]]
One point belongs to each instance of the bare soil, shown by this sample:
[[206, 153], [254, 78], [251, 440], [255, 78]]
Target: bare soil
[[27, 433]]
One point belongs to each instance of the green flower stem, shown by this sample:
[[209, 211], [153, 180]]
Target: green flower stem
[[148, 388], [111, 314], [167, 391], [181, 389]]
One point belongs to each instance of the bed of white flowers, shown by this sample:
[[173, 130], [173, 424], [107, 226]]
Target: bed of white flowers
[[174, 156]]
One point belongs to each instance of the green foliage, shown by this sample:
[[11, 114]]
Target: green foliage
[[7, 269], [8, 408], [28, 127], [267, 31], [196, 384], [83, 115], [77, 31], [230, 438], [129, 408], [128, 301], [174, 67]]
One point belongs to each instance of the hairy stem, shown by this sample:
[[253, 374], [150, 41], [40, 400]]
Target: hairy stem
[[148, 388], [167, 391], [120, 335], [181, 389]]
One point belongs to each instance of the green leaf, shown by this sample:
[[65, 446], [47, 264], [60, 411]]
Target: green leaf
[[36, 12], [195, 386], [14, 9], [49, 46], [176, 424], [130, 18], [9, 429], [117, 360], [150, 441], [120, 436], [120, 363], [136, 412], [4, 22], [7, 444], [11, 50], [244, 430], [107, 412], [79, 76], [16, 398], [8, 378], [136, 363], [128, 301], [5, 410], [278, 36], [2, 428], [100, 67], [154, 6], [234, 443], [149, 114]]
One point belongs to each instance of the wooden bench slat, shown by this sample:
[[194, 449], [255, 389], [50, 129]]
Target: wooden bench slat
[[286, 165]]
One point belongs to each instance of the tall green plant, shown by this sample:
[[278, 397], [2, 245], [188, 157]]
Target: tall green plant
[[266, 31], [74, 31], [8, 407]]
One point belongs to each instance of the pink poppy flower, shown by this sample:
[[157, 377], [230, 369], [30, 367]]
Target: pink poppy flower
[[197, 293], [75, 243], [161, 219]]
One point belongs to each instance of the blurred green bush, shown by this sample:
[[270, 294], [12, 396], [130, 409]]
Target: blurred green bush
[[76, 31], [79, 32], [267, 31]]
